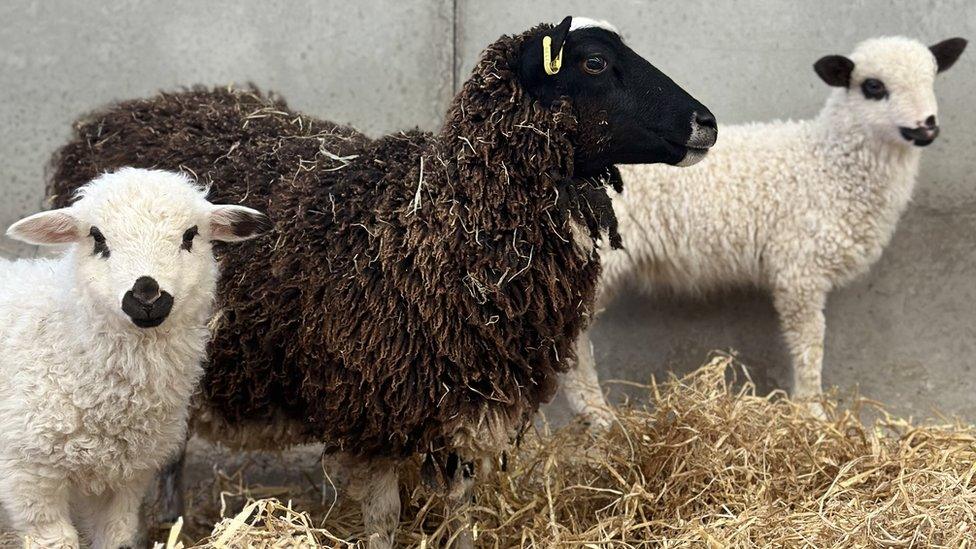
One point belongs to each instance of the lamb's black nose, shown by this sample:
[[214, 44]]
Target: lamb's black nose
[[706, 119], [145, 304], [921, 136], [146, 289]]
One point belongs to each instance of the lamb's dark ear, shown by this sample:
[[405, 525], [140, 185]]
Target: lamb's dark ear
[[835, 70], [947, 51], [531, 64], [236, 223]]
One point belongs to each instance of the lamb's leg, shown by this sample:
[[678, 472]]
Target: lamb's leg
[[581, 385], [37, 502], [375, 485], [801, 314], [117, 522], [170, 488]]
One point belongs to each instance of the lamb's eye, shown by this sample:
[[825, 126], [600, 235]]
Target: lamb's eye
[[101, 248], [874, 89], [594, 64], [188, 237]]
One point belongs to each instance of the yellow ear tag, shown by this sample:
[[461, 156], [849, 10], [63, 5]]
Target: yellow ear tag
[[551, 65]]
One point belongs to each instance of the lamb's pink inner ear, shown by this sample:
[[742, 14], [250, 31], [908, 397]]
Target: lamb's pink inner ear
[[46, 228]]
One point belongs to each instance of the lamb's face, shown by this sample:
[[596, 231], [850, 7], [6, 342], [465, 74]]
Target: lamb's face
[[628, 111], [889, 86], [142, 243]]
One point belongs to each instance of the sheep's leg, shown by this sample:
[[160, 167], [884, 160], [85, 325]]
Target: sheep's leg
[[802, 317], [459, 502], [37, 503], [581, 385], [118, 521], [375, 484]]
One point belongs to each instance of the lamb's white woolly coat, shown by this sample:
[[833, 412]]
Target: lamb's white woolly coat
[[814, 206], [794, 207], [82, 393]]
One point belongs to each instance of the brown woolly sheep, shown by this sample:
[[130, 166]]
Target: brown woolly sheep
[[420, 293]]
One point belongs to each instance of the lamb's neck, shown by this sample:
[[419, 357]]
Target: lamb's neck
[[879, 173]]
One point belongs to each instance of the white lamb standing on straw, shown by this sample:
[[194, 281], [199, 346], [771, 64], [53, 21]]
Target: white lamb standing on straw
[[796, 207], [101, 348]]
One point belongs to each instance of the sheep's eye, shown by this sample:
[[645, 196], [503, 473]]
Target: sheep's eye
[[594, 64], [188, 237], [874, 89], [101, 248]]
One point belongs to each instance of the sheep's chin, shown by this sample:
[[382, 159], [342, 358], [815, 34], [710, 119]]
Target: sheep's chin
[[692, 157]]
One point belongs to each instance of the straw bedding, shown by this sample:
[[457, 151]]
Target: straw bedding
[[706, 463]]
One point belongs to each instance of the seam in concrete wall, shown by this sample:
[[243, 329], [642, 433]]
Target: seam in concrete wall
[[455, 37]]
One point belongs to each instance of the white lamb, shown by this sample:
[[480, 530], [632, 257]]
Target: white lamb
[[796, 207], [101, 348]]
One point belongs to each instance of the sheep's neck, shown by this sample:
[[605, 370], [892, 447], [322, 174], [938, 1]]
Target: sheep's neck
[[500, 188]]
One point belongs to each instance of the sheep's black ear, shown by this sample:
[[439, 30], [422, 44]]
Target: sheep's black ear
[[947, 51], [531, 64], [835, 70], [559, 34]]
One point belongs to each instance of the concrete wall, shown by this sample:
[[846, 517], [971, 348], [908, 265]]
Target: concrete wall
[[905, 333], [378, 64]]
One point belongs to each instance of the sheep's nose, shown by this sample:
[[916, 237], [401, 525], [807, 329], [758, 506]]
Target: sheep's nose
[[146, 290], [704, 130], [706, 119], [930, 122]]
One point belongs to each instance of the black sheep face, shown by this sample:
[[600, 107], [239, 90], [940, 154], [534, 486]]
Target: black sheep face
[[629, 112]]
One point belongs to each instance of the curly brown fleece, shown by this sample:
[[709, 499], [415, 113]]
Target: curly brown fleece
[[416, 290]]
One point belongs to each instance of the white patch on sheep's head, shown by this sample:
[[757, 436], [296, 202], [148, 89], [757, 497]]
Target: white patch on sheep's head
[[887, 86], [587, 23], [141, 243]]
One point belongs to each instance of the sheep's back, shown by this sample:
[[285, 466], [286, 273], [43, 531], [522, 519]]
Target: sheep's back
[[240, 142], [251, 150]]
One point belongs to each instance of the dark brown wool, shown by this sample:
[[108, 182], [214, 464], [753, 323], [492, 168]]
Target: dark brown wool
[[412, 286]]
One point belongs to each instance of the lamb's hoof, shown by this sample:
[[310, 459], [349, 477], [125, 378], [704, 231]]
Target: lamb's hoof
[[379, 541], [167, 520], [463, 541], [65, 539], [597, 420], [816, 409]]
